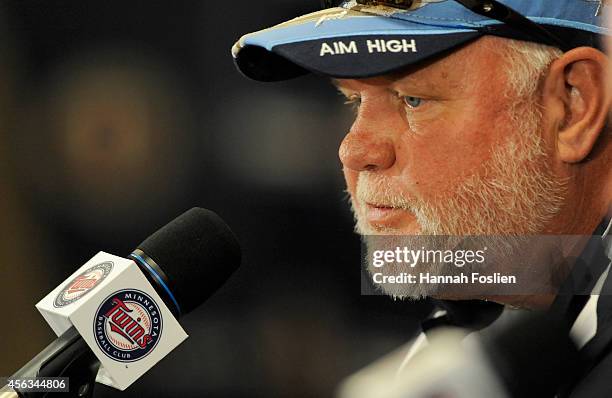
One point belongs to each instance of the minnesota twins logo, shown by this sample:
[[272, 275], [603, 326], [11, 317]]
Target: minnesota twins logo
[[82, 284], [127, 325]]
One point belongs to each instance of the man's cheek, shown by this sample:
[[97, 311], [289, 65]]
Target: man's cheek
[[425, 167], [435, 177]]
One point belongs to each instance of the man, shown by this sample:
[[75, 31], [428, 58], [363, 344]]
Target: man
[[471, 120]]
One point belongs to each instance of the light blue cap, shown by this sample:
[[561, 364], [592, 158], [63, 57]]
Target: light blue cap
[[360, 41]]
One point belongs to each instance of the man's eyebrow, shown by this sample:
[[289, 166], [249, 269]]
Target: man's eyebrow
[[338, 85], [409, 80]]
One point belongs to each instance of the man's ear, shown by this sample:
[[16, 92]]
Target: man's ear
[[576, 101]]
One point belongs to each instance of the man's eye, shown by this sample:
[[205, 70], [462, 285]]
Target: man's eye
[[413, 102]]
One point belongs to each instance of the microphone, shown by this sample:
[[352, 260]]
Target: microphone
[[192, 256], [533, 356], [182, 264]]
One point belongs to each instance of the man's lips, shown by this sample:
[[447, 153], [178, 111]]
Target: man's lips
[[383, 214]]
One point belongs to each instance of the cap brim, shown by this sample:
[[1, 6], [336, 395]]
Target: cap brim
[[343, 44]]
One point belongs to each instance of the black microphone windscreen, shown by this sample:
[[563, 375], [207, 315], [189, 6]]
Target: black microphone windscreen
[[198, 252]]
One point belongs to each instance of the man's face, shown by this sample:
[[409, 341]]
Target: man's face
[[448, 148]]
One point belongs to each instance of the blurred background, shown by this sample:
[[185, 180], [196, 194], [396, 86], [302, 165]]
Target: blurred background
[[117, 116]]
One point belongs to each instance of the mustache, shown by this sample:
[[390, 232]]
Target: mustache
[[382, 192]]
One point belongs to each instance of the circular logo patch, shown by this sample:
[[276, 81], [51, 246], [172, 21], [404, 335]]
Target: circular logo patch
[[83, 284], [127, 325]]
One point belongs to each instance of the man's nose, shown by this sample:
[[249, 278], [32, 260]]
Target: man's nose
[[364, 148]]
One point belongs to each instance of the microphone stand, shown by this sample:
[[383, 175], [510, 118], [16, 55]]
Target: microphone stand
[[67, 356]]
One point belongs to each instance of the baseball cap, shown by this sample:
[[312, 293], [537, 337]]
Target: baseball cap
[[357, 40]]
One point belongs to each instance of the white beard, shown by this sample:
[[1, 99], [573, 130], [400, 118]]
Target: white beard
[[514, 193]]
